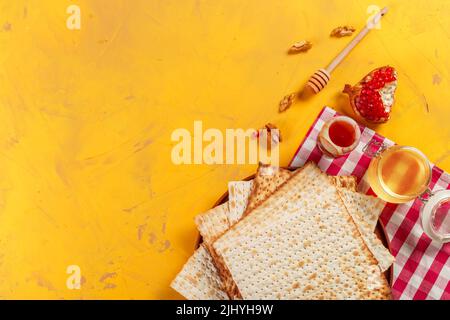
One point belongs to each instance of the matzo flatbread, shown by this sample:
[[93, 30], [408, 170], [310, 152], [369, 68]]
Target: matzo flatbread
[[301, 243], [199, 279], [348, 182], [213, 223], [269, 178], [240, 190], [369, 207], [234, 214], [266, 181], [357, 204], [238, 194], [382, 255]]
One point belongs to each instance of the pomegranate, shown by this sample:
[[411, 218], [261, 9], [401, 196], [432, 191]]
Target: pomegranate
[[372, 97]]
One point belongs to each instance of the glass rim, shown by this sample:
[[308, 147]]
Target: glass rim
[[443, 235]]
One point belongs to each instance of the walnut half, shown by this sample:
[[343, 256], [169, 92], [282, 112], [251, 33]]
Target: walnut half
[[300, 46], [342, 31], [286, 102]]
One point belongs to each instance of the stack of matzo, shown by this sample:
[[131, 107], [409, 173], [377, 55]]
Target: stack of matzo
[[303, 236]]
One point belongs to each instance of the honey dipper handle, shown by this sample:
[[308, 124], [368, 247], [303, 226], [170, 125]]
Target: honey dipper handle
[[355, 41]]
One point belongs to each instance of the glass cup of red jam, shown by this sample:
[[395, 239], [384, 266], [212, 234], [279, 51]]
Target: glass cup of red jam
[[339, 136]]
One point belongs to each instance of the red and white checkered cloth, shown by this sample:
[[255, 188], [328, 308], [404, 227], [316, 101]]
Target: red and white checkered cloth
[[422, 268]]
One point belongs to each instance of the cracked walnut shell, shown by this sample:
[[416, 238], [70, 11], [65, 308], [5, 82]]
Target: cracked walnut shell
[[342, 31], [300, 46]]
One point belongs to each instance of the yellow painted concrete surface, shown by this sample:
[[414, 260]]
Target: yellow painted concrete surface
[[86, 116]]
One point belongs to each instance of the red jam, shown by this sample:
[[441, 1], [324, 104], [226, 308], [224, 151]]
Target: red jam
[[342, 133]]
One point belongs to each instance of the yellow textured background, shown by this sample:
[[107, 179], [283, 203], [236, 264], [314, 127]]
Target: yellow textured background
[[86, 118]]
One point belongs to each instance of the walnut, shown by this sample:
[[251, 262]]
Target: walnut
[[286, 102], [301, 46], [342, 31]]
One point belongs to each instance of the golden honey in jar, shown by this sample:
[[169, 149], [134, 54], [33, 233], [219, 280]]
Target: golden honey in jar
[[399, 174]]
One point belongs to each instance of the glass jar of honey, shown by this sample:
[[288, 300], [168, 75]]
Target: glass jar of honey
[[398, 174]]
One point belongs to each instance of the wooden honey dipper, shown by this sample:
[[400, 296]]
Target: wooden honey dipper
[[320, 78]]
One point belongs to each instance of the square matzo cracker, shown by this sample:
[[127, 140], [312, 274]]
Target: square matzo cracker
[[301, 243]]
